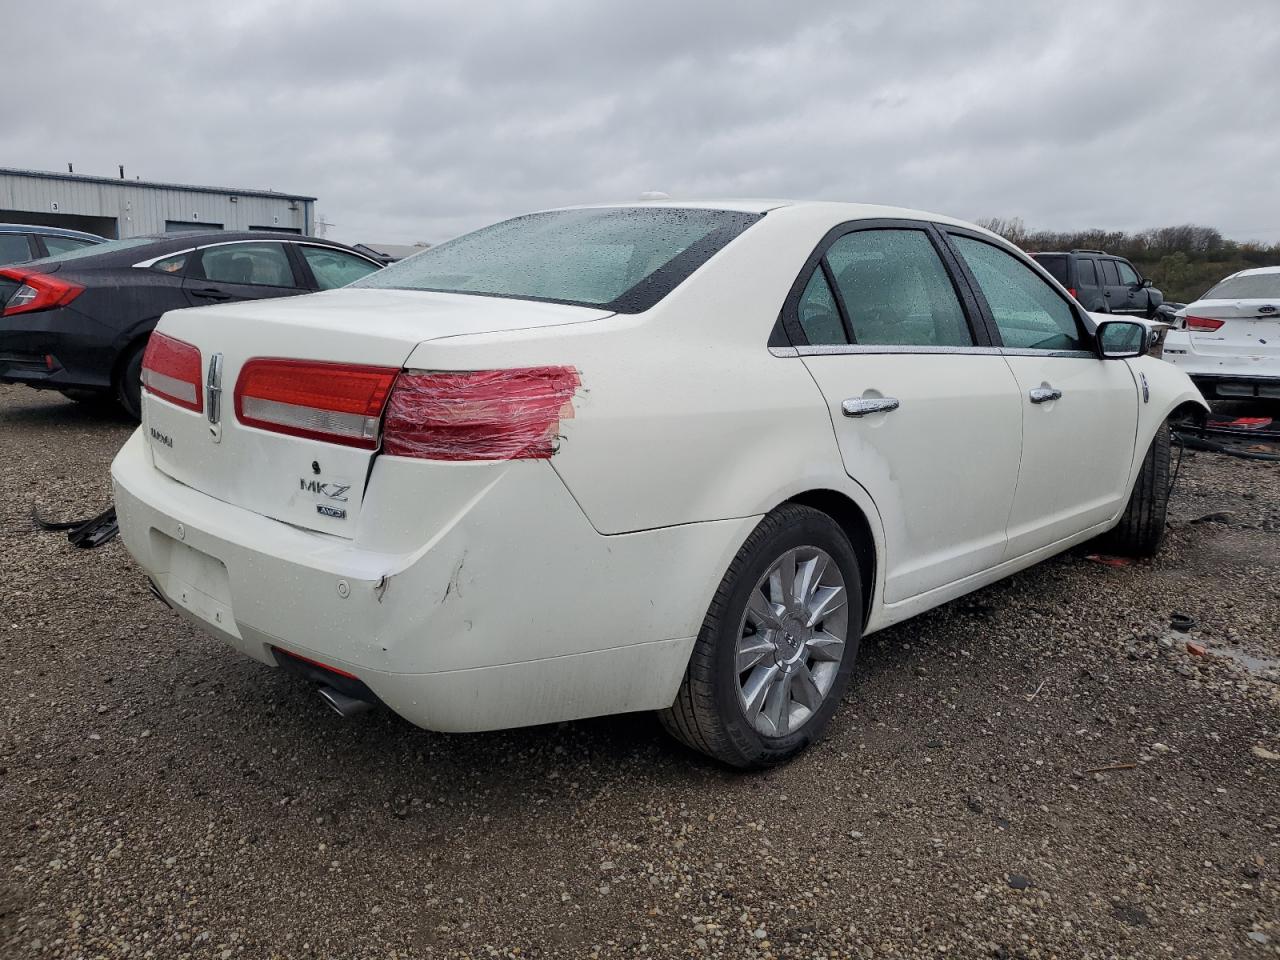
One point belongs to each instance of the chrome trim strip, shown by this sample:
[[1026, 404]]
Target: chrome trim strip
[[146, 264], [838, 350]]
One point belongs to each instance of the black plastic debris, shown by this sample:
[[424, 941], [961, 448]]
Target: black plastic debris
[[1182, 622], [85, 533]]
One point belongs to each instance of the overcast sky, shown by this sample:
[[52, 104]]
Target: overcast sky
[[419, 120]]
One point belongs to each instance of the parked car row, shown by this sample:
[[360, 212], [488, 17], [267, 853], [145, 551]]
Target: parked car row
[[78, 321]]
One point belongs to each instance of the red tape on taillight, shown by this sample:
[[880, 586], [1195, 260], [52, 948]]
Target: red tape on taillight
[[39, 291], [171, 369], [335, 402], [1203, 323], [479, 415]]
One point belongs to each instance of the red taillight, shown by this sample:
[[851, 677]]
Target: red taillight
[[479, 415], [171, 369], [1072, 291], [1203, 323], [336, 402], [39, 291]]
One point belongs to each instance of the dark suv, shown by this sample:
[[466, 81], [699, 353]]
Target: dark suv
[[1103, 283]]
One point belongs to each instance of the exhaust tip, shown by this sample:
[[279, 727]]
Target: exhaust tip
[[341, 704]]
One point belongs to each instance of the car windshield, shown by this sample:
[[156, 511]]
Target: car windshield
[[1251, 286], [96, 249], [623, 258]]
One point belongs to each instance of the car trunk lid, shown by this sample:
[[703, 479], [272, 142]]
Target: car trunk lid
[[1239, 327], [293, 476]]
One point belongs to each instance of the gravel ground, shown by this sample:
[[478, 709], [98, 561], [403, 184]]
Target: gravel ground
[[163, 797]]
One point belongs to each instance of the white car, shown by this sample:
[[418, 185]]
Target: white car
[[1228, 341], [672, 457]]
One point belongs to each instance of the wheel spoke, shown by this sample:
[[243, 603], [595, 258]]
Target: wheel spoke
[[753, 649], [762, 612], [804, 690], [757, 689], [810, 575], [826, 646], [823, 603], [777, 705], [782, 579]]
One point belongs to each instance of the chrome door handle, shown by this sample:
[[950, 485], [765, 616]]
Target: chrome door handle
[[861, 406], [1045, 394]]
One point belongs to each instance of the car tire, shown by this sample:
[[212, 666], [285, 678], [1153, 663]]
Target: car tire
[[129, 382], [1141, 528], [713, 711]]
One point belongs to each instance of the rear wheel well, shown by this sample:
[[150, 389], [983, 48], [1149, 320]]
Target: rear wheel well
[[117, 365], [850, 518]]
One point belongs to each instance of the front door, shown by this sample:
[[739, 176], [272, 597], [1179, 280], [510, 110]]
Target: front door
[[1079, 412], [926, 414]]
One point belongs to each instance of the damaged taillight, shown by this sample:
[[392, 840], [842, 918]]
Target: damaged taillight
[[335, 402], [1203, 323], [38, 291], [171, 369], [479, 415]]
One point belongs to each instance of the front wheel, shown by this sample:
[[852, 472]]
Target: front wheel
[[773, 658], [1141, 528]]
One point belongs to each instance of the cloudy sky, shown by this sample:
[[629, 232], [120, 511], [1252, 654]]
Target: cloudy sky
[[419, 120]]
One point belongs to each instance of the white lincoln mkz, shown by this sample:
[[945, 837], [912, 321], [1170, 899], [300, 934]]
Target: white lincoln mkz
[[662, 456]]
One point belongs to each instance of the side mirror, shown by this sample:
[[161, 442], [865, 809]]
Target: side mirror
[[1118, 339], [1146, 281]]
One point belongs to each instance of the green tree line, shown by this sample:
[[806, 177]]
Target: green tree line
[[1183, 261]]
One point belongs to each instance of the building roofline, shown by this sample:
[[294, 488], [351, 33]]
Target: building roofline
[[153, 184]]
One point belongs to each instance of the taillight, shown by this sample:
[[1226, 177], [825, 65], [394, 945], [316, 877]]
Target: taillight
[[1203, 323], [335, 402], [479, 415], [38, 291], [1072, 291], [171, 369]]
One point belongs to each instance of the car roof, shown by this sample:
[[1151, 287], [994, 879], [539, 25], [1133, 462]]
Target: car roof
[[49, 231], [838, 211], [1252, 271]]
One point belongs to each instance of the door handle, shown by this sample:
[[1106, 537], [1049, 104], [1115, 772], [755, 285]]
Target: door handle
[[861, 406], [1045, 394], [210, 293]]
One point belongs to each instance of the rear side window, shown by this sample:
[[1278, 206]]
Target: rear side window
[[261, 264], [817, 312], [1086, 274], [14, 248], [1029, 313], [896, 290], [56, 245], [622, 258], [1109, 274], [1056, 264], [334, 268]]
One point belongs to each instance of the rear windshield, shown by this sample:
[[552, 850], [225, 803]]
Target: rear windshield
[[97, 249], [622, 258], [1253, 286], [1056, 264]]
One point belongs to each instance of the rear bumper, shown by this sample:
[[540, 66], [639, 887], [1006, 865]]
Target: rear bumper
[[1224, 375], [516, 612], [57, 349]]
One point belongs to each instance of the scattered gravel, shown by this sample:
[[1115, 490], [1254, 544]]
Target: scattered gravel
[[1042, 769]]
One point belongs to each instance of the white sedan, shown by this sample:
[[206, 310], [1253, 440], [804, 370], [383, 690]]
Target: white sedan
[[1228, 341], [661, 456]]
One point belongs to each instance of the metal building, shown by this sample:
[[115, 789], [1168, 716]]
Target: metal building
[[116, 208]]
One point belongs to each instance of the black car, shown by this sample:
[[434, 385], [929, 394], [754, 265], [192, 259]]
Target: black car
[[1103, 283], [20, 242], [79, 322]]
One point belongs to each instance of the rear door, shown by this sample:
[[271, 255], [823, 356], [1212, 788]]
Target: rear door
[[241, 270], [1079, 412], [1115, 295], [926, 414], [1088, 286]]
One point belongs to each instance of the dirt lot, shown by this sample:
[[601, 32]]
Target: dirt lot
[[162, 797]]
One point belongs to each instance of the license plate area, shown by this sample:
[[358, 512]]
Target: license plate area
[[195, 581]]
